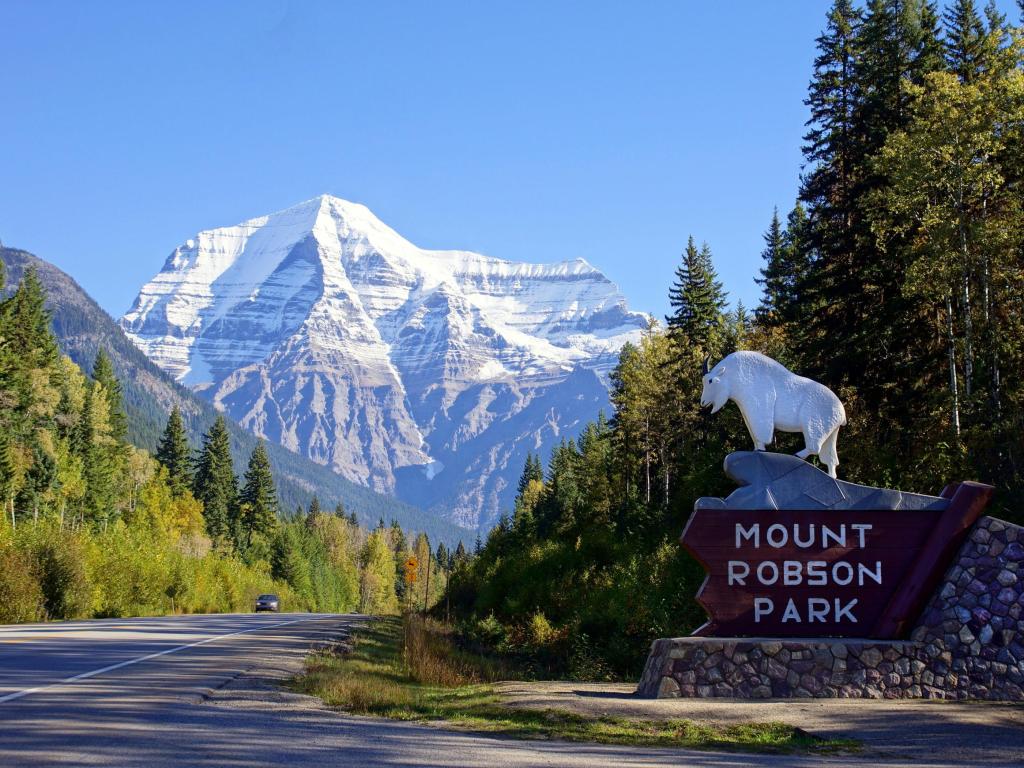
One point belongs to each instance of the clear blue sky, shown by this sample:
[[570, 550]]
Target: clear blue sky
[[527, 130]]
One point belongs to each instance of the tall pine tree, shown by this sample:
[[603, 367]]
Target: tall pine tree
[[103, 372], [259, 503], [697, 299], [175, 454], [965, 41], [774, 274], [215, 484]]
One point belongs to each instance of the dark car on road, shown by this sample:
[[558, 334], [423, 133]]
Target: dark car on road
[[268, 603]]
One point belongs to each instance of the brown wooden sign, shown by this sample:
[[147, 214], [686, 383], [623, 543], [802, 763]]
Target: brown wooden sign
[[825, 573]]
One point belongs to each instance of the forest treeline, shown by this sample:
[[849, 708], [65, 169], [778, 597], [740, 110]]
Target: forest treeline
[[897, 278], [93, 526]]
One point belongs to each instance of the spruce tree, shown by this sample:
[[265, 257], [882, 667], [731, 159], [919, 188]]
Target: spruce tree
[[27, 326], [532, 470], [442, 555], [174, 453], [965, 41], [931, 49], [103, 372], [215, 484], [697, 298], [8, 476], [774, 274], [314, 507], [829, 144], [97, 468], [259, 503]]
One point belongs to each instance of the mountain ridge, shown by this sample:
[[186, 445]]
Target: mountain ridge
[[426, 373]]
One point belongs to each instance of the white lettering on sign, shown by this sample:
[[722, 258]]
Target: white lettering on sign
[[816, 575], [790, 614], [738, 572], [763, 606], [817, 609], [813, 573], [861, 530], [767, 572], [842, 573], [792, 573], [804, 536], [875, 575], [777, 536], [828, 572], [754, 532]]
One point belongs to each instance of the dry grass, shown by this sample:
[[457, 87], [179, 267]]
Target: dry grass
[[431, 657], [409, 670]]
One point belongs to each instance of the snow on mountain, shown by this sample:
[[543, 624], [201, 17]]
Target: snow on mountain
[[428, 374]]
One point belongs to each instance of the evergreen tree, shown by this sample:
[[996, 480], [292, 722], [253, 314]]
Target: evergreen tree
[[259, 503], [8, 476], [288, 564], [215, 484], [830, 142], [697, 298], [965, 41], [314, 507], [103, 372], [175, 454], [97, 469], [775, 276], [442, 555], [531, 471], [353, 520], [27, 336]]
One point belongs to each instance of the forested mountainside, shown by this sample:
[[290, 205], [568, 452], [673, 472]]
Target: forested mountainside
[[897, 279], [82, 328]]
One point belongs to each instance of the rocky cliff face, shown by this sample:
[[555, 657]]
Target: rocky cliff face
[[428, 374]]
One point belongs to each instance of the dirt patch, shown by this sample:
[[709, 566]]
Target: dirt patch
[[971, 733]]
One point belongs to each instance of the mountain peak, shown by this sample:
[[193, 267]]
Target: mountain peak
[[428, 373]]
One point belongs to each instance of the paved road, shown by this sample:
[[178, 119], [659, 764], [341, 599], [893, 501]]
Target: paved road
[[203, 691]]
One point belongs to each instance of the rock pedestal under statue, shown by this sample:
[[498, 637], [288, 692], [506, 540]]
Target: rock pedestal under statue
[[861, 592]]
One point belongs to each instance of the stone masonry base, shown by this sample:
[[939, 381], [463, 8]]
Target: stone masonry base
[[968, 645]]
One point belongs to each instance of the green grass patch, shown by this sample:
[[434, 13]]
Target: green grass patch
[[408, 670]]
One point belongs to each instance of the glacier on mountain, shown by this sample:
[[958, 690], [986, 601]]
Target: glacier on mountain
[[428, 374]]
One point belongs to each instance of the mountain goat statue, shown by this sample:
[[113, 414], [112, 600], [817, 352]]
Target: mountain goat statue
[[771, 397]]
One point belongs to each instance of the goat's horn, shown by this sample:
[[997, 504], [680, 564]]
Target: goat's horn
[[704, 368]]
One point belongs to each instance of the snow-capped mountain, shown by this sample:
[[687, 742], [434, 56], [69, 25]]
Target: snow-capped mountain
[[428, 374]]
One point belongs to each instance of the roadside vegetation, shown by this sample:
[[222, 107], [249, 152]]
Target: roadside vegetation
[[410, 668], [92, 526]]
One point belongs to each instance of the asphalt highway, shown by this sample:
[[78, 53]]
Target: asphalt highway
[[205, 691]]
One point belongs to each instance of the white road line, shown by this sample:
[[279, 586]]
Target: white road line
[[112, 667]]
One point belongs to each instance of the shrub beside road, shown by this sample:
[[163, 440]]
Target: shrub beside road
[[409, 669]]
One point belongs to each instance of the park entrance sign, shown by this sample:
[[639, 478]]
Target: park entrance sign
[[849, 568], [817, 587]]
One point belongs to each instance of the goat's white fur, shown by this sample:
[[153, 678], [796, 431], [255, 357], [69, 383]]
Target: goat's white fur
[[771, 397]]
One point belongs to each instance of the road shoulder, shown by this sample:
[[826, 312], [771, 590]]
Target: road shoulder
[[969, 733]]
